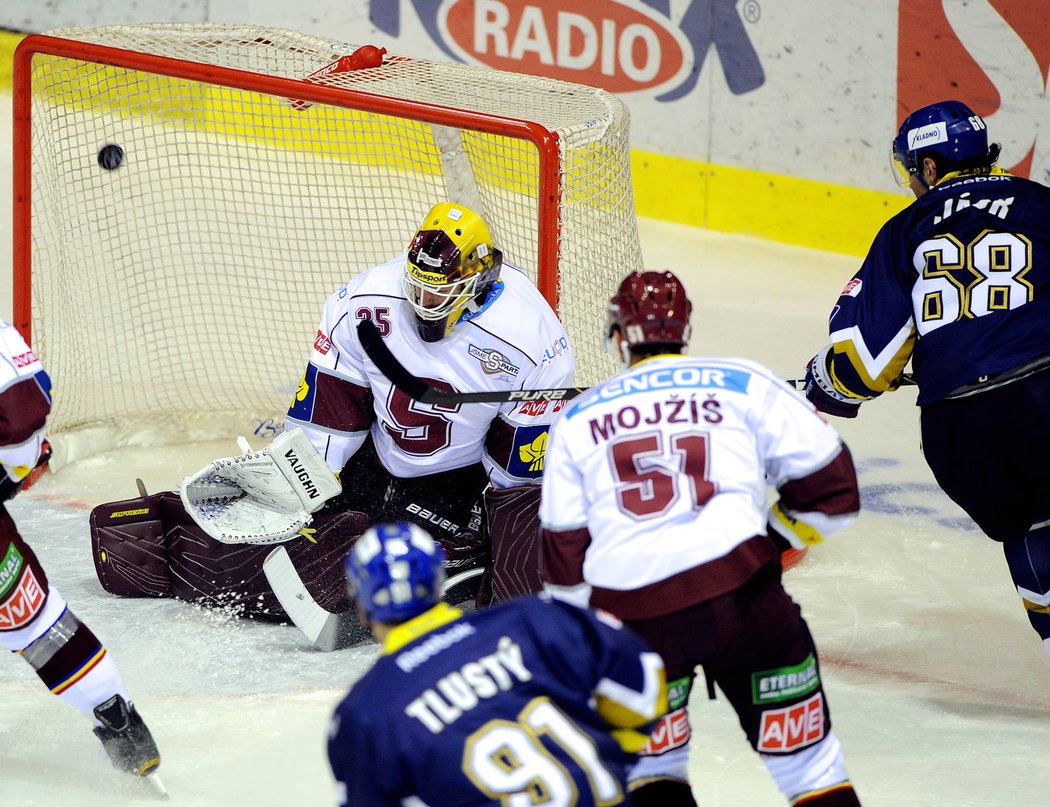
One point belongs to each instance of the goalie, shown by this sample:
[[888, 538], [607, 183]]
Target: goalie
[[455, 315]]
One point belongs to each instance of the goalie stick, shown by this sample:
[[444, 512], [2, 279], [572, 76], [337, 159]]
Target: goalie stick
[[326, 630], [420, 390]]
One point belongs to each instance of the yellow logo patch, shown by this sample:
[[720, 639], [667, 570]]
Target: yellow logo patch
[[533, 453]]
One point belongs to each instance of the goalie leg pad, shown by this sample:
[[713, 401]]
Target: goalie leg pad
[[212, 573], [514, 529], [129, 549], [321, 558], [152, 547]]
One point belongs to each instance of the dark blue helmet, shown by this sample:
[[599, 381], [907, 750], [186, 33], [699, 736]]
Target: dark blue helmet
[[949, 131], [395, 571]]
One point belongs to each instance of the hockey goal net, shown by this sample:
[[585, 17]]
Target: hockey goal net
[[173, 287]]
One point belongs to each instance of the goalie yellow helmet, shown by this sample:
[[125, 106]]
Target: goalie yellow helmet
[[450, 267]]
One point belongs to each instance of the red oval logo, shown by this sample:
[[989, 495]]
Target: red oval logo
[[617, 47]]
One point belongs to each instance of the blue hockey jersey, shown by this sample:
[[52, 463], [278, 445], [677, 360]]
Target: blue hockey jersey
[[958, 282], [533, 697]]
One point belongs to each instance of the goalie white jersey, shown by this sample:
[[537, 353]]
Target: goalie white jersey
[[514, 341], [667, 464]]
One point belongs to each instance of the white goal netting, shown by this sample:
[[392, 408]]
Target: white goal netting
[[176, 296]]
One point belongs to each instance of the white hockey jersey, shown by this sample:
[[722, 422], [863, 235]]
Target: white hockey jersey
[[25, 400], [655, 495], [515, 341]]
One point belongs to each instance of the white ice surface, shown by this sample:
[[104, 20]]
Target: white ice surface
[[937, 685]]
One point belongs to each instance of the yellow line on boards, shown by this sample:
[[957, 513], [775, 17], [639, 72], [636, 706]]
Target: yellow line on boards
[[804, 212]]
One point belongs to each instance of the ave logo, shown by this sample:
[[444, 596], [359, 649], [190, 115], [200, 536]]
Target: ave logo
[[994, 56], [671, 732], [22, 604], [792, 727]]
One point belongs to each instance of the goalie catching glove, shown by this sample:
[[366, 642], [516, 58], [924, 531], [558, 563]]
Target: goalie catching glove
[[260, 497]]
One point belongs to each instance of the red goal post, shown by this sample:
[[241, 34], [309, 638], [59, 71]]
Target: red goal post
[[173, 293]]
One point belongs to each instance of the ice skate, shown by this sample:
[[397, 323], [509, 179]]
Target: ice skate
[[124, 735]]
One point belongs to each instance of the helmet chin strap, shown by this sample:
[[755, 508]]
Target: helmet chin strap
[[625, 352]]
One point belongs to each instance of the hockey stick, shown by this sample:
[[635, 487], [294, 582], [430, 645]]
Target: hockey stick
[[326, 630], [420, 390], [800, 383], [417, 388]]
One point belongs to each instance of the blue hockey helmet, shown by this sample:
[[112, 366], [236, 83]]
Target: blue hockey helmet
[[395, 571], [950, 132]]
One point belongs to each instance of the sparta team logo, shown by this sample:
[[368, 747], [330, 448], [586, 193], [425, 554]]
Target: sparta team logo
[[492, 361]]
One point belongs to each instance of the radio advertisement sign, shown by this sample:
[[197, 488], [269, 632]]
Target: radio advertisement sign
[[768, 85]]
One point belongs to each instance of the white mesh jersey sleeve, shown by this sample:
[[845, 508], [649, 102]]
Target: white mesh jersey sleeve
[[793, 439], [516, 446], [332, 404], [803, 459]]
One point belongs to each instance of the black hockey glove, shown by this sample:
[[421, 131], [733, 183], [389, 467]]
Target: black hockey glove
[[824, 397]]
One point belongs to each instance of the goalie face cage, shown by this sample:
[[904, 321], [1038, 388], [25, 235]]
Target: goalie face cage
[[173, 297]]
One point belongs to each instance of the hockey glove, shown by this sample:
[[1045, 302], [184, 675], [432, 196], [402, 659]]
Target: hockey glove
[[260, 497], [821, 392], [789, 531]]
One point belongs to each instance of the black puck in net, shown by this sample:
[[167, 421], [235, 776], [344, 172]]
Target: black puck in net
[[110, 156]]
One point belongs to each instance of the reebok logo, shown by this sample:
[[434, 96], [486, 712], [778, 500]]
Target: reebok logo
[[301, 474]]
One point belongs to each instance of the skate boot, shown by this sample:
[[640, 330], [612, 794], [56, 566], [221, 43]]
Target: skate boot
[[125, 737]]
